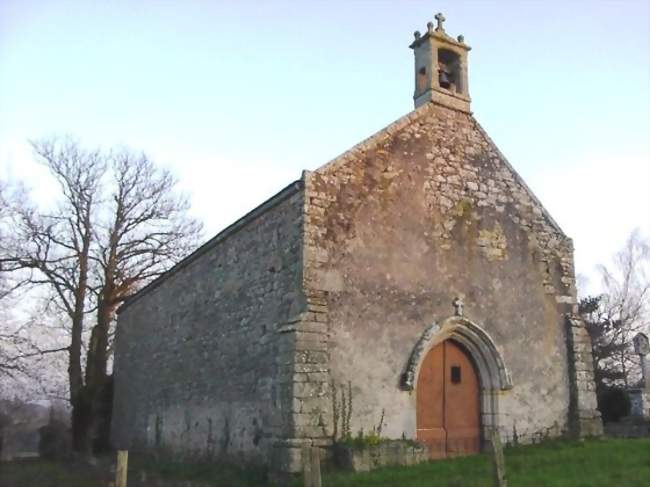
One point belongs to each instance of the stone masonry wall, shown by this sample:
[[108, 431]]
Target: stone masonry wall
[[199, 357], [425, 211], [332, 282]]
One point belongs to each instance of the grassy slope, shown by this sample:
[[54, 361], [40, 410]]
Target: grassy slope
[[554, 464]]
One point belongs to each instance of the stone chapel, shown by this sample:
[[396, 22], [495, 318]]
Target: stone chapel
[[416, 275]]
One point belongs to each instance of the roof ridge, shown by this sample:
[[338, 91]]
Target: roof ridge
[[519, 179], [371, 141], [271, 202]]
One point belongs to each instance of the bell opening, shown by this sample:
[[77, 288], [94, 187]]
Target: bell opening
[[448, 70]]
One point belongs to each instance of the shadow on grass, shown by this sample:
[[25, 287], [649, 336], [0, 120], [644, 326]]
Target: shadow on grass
[[44, 473], [214, 474]]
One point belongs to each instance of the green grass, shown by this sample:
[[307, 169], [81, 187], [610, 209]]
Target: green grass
[[215, 474], [42, 473], [593, 463]]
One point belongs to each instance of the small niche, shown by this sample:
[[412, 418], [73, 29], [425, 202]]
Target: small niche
[[422, 79]]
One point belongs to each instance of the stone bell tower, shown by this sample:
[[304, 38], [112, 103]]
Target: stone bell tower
[[440, 67]]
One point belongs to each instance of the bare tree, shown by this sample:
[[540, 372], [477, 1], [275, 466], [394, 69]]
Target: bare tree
[[146, 232], [627, 298], [10, 198], [15, 345], [623, 310], [118, 225]]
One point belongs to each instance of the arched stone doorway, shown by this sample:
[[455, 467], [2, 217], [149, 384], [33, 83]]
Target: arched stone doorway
[[448, 404], [490, 369]]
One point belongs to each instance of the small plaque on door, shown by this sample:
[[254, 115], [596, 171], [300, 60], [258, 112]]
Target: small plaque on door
[[455, 374]]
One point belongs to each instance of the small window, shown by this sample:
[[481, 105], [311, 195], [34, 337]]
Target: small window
[[455, 374]]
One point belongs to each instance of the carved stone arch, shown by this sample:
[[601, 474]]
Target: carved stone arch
[[491, 367], [494, 376]]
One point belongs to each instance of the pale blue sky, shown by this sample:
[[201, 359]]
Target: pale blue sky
[[238, 97]]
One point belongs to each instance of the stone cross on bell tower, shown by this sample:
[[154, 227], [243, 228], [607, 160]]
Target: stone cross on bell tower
[[440, 19], [440, 67]]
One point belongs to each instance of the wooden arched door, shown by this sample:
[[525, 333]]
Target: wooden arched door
[[448, 407]]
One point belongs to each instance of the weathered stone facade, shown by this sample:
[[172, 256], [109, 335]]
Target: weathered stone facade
[[425, 211], [345, 280], [199, 352]]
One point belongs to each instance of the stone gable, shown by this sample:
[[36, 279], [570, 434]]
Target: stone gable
[[422, 212]]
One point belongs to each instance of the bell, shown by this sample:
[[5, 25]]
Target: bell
[[443, 79]]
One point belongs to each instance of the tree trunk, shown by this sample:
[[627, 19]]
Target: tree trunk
[[81, 424], [98, 388], [97, 358], [81, 442]]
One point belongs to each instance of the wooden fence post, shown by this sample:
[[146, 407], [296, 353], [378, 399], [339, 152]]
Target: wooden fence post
[[306, 466], [315, 467], [498, 460], [311, 467], [122, 467]]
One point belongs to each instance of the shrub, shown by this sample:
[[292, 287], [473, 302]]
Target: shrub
[[614, 403], [54, 443], [362, 441]]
